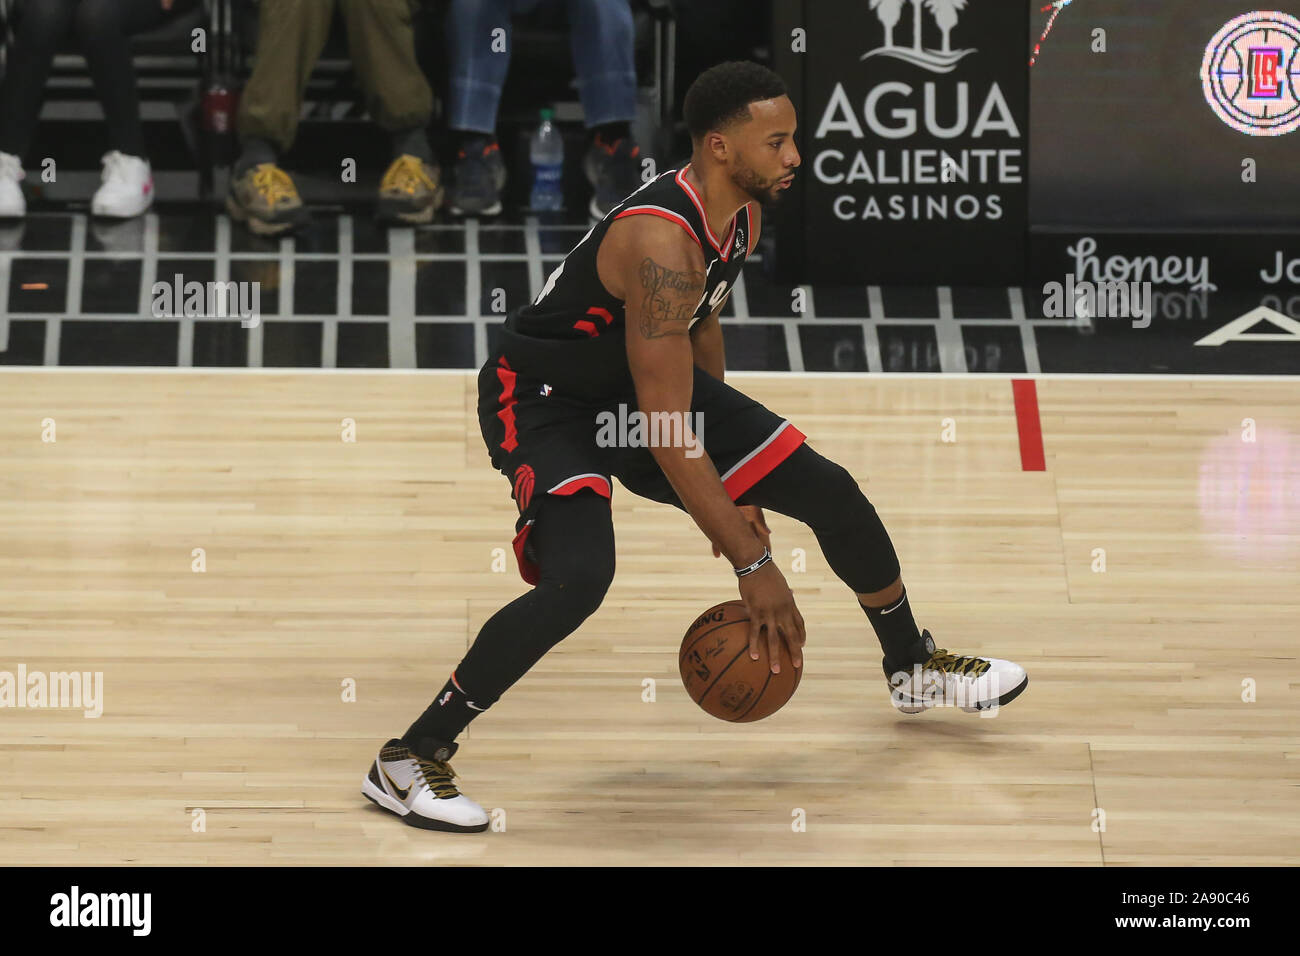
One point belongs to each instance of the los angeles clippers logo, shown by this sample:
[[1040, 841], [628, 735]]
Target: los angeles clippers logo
[[524, 478], [1251, 74]]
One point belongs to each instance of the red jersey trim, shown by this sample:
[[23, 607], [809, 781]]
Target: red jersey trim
[[723, 249], [663, 214]]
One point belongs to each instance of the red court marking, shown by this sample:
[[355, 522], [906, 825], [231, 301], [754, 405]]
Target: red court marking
[[1029, 425]]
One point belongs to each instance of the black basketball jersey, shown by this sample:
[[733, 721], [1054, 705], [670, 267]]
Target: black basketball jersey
[[573, 334]]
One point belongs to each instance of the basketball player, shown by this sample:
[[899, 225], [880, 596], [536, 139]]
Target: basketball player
[[631, 316]]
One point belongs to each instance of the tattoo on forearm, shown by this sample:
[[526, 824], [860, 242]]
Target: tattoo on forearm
[[670, 297]]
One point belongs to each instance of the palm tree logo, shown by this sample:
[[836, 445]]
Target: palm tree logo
[[889, 12], [945, 13]]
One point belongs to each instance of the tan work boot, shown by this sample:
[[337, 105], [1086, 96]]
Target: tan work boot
[[266, 198], [410, 192]]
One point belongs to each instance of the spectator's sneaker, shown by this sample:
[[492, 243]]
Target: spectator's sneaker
[[420, 791], [937, 678], [266, 198], [410, 191], [614, 171], [127, 189], [477, 179], [12, 203]]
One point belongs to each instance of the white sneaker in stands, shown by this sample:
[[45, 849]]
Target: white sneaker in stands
[[128, 187], [12, 203]]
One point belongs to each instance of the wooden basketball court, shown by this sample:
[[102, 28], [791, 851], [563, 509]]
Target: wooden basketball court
[[1147, 580]]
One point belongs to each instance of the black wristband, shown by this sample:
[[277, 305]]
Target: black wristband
[[741, 572]]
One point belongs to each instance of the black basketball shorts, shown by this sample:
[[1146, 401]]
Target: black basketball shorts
[[547, 443]]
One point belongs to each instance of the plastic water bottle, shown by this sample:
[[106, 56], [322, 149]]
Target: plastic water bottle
[[546, 150]]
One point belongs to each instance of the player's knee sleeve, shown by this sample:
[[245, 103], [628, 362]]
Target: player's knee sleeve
[[575, 552], [812, 489], [574, 594], [827, 498], [852, 536], [836, 499]]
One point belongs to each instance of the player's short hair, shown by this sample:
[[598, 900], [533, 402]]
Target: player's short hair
[[720, 96]]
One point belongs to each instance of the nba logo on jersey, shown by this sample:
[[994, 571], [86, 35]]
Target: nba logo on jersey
[[546, 390]]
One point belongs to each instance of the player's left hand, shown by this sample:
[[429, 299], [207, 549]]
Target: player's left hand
[[754, 516]]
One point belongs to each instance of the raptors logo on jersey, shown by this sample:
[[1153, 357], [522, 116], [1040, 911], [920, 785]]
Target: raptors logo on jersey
[[524, 479]]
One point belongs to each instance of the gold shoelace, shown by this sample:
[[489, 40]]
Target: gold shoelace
[[437, 775], [273, 183], [954, 664], [407, 175]]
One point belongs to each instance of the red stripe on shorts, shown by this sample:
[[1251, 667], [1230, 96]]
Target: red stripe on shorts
[[595, 482], [777, 449], [507, 412], [530, 572]]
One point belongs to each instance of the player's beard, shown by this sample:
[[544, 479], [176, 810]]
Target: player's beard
[[752, 184]]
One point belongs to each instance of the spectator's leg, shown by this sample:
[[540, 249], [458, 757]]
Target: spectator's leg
[[479, 45], [604, 45], [290, 37], [102, 28], [42, 26], [382, 42], [603, 37], [478, 60]]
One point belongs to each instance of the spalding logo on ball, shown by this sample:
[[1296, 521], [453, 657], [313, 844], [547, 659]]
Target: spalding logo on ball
[[1251, 73]]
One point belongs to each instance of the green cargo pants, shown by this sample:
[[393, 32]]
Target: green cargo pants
[[291, 36]]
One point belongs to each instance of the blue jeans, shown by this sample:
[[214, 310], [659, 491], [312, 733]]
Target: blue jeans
[[600, 31]]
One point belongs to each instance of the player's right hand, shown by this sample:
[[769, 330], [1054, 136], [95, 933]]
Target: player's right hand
[[772, 612]]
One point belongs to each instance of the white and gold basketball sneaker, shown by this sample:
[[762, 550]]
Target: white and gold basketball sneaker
[[420, 791], [942, 679]]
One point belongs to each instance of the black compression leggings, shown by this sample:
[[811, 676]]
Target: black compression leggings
[[574, 541], [825, 497], [101, 28]]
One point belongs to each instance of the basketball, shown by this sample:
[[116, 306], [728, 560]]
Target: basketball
[[722, 678]]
